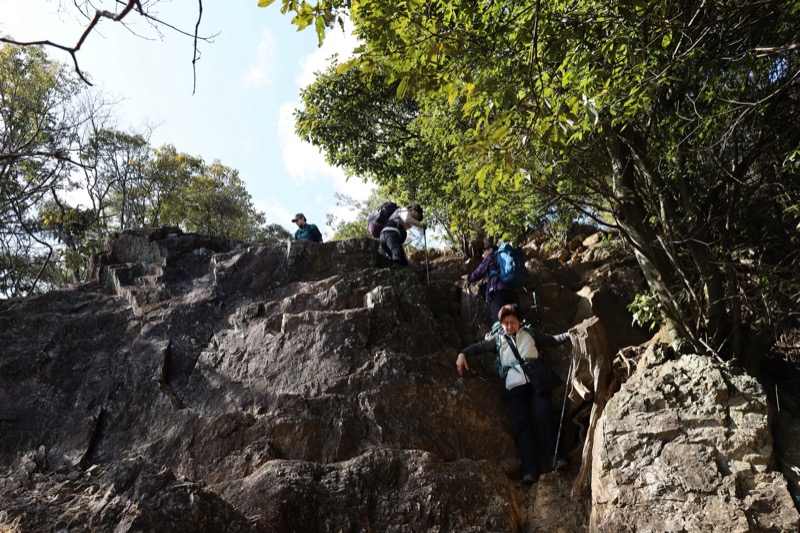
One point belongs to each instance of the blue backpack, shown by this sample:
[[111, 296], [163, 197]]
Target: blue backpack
[[511, 266]]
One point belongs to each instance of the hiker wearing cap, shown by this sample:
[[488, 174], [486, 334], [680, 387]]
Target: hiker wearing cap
[[497, 293], [515, 342], [306, 231], [395, 231]]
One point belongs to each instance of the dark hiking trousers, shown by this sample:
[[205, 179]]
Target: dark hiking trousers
[[500, 298], [392, 245], [533, 450]]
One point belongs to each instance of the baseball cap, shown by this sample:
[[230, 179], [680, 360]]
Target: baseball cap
[[298, 215]]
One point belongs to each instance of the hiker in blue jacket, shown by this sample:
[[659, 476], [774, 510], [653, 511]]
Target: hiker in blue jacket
[[497, 293], [520, 392], [306, 231], [395, 231]]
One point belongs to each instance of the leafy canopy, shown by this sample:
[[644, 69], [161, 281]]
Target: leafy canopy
[[676, 122]]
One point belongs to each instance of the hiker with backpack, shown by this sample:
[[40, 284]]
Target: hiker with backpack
[[306, 231], [394, 231], [529, 380], [498, 293]]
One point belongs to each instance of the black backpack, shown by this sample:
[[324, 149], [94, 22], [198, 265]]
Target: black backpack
[[377, 219]]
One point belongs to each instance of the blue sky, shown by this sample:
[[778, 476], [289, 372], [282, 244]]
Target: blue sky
[[248, 83]]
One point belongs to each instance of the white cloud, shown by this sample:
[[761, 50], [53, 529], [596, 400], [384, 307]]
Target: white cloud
[[259, 73], [336, 42], [355, 188], [302, 154], [303, 161], [275, 212]]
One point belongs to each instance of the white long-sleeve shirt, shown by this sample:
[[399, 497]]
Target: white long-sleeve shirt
[[405, 216]]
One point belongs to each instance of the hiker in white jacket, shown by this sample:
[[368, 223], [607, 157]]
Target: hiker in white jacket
[[521, 394]]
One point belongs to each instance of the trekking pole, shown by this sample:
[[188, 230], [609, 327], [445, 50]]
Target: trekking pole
[[538, 319], [425, 240], [563, 408], [472, 306]]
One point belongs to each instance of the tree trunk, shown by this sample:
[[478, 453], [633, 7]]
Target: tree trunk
[[632, 218]]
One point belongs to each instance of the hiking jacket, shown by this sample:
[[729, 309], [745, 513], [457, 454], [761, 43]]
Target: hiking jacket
[[490, 268], [308, 232], [400, 221], [527, 341]]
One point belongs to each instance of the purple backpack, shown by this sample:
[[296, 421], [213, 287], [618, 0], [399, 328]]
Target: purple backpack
[[378, 218]]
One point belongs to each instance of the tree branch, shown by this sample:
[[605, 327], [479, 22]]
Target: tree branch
[[131, 5]]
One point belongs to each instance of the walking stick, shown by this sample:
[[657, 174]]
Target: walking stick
[[472, 307], [538, 320], [563, 408], [425, 240]]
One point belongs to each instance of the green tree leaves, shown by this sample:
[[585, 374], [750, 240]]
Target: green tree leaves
[[673, 120], [40, 124], [53, 143]]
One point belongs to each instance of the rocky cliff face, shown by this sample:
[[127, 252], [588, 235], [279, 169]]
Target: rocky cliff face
[[685, 445], [195, 386]]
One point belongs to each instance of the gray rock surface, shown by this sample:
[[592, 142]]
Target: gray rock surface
[[282, 385], [194, 385], [685, 445]]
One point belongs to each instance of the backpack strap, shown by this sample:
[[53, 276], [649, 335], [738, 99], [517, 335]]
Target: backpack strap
[[513, 345], [502, 370], [495, 332]]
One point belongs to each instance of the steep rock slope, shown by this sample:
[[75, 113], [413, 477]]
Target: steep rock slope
[[196, 386], [296, 386]]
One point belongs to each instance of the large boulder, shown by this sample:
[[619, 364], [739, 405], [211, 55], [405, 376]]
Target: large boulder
[[686, 445]]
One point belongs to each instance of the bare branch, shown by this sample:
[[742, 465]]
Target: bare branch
[[130, 5], [767, 50], [196, 57], [70, 51]]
